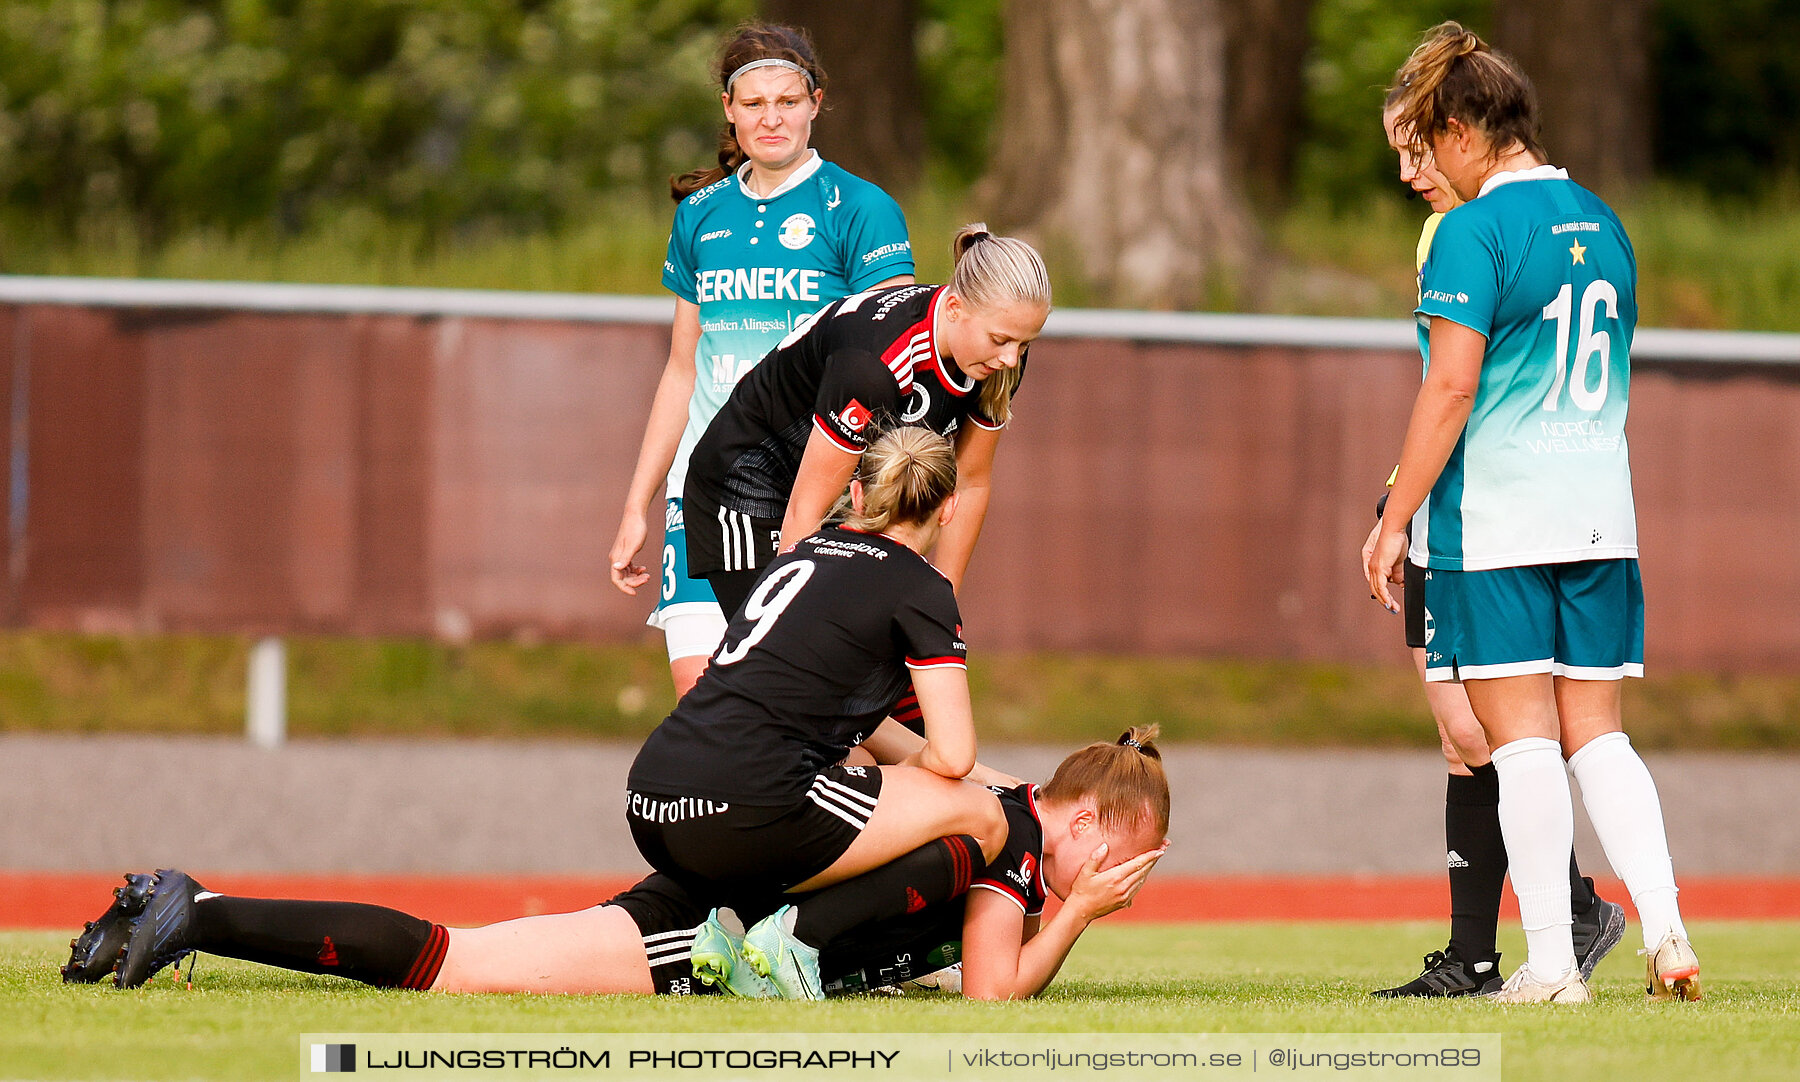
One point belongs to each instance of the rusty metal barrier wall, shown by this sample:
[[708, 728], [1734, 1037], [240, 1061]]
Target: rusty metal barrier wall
[[432, 471]]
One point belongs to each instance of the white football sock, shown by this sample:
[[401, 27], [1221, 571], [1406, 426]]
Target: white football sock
[[1621, 800], [1537, 819]]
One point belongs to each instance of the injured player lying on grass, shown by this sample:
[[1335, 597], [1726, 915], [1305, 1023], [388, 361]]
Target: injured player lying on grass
[[1090, 835]]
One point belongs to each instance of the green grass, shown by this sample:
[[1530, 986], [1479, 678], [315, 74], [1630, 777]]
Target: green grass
[[240, 1021], [187, 684]]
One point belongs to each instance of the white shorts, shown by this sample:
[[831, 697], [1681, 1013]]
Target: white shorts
[[693, 628]]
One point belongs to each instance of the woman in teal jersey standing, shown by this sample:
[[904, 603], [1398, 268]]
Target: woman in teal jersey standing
[[1475, 855], [1516, 482], [767, 238]]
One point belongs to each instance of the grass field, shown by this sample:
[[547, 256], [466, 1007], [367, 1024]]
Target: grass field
[[240, 1021]]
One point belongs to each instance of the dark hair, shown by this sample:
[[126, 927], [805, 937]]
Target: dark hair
[[1453, 73], [1125, 778], [752, 41]]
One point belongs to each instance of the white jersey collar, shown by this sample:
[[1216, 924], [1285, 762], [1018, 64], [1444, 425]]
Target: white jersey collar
[[936, 348], [794, 180], [1540, 172]]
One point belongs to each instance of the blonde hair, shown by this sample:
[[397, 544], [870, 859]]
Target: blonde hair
[[1125, 778], [994, 272], [906, 474], [1453, 73]]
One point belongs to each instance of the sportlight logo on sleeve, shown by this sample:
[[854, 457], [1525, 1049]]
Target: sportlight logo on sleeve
[[333, 1058]]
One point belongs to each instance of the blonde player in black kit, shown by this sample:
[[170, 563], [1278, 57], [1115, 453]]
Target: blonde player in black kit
[[741, 793], [947, 358]]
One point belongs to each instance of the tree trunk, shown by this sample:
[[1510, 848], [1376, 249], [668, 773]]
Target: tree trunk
[[1111, 145], [872, 124], [1590, 62], [1265, 92]]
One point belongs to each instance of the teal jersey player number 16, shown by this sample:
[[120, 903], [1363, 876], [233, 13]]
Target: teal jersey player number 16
[[1543, 269]]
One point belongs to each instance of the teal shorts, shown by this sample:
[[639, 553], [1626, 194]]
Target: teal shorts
[[686, 611], [1582, 620]]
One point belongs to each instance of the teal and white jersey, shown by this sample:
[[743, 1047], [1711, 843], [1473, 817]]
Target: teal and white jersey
[[758, 265], [1541, 475]]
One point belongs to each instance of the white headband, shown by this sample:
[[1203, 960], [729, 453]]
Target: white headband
[[771, 62]]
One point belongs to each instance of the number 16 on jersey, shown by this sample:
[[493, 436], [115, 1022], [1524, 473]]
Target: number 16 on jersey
[[1588, 345]]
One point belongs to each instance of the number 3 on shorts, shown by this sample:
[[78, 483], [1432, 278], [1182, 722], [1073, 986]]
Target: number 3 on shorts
[[784, 585], [668, 575]]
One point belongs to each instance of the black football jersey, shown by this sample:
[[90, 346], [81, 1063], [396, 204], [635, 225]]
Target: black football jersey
[[807, 669], [862, 364], [1018, 872]]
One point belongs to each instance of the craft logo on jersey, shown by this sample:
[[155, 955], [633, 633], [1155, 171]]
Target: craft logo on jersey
[[717, 234], [673, 517], [855, 416], [797, 232]]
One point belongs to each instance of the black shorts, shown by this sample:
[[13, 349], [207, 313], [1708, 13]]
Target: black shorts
[[741, 854], [667, 917], [719, 539], [1414, 605]]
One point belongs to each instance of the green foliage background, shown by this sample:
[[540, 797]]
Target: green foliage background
[[440, 112], [525, 144], [450, 114]]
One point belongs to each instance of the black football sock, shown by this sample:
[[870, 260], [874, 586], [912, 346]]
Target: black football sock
[[933, 873], [1581, 892], [367, 943], [1477, 859]]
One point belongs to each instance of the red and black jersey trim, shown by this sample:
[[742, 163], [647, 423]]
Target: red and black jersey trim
[[842, 444], [946, 662], [913, 347], [424, 971], [1003, 887]]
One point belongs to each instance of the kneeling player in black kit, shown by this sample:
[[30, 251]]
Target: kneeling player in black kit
[[1090, 835], [741, 793]]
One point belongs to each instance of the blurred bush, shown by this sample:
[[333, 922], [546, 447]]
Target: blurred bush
[[443, 112]]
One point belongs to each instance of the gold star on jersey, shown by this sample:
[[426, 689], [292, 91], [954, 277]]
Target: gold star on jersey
[[1576, 252]]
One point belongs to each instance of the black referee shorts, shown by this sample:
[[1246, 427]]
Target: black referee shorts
[[1414, 605], [742, 853]]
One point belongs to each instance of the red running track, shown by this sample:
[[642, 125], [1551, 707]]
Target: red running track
[[64, 900]]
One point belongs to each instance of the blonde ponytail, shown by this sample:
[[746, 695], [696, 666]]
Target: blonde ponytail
[[906, 474]]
